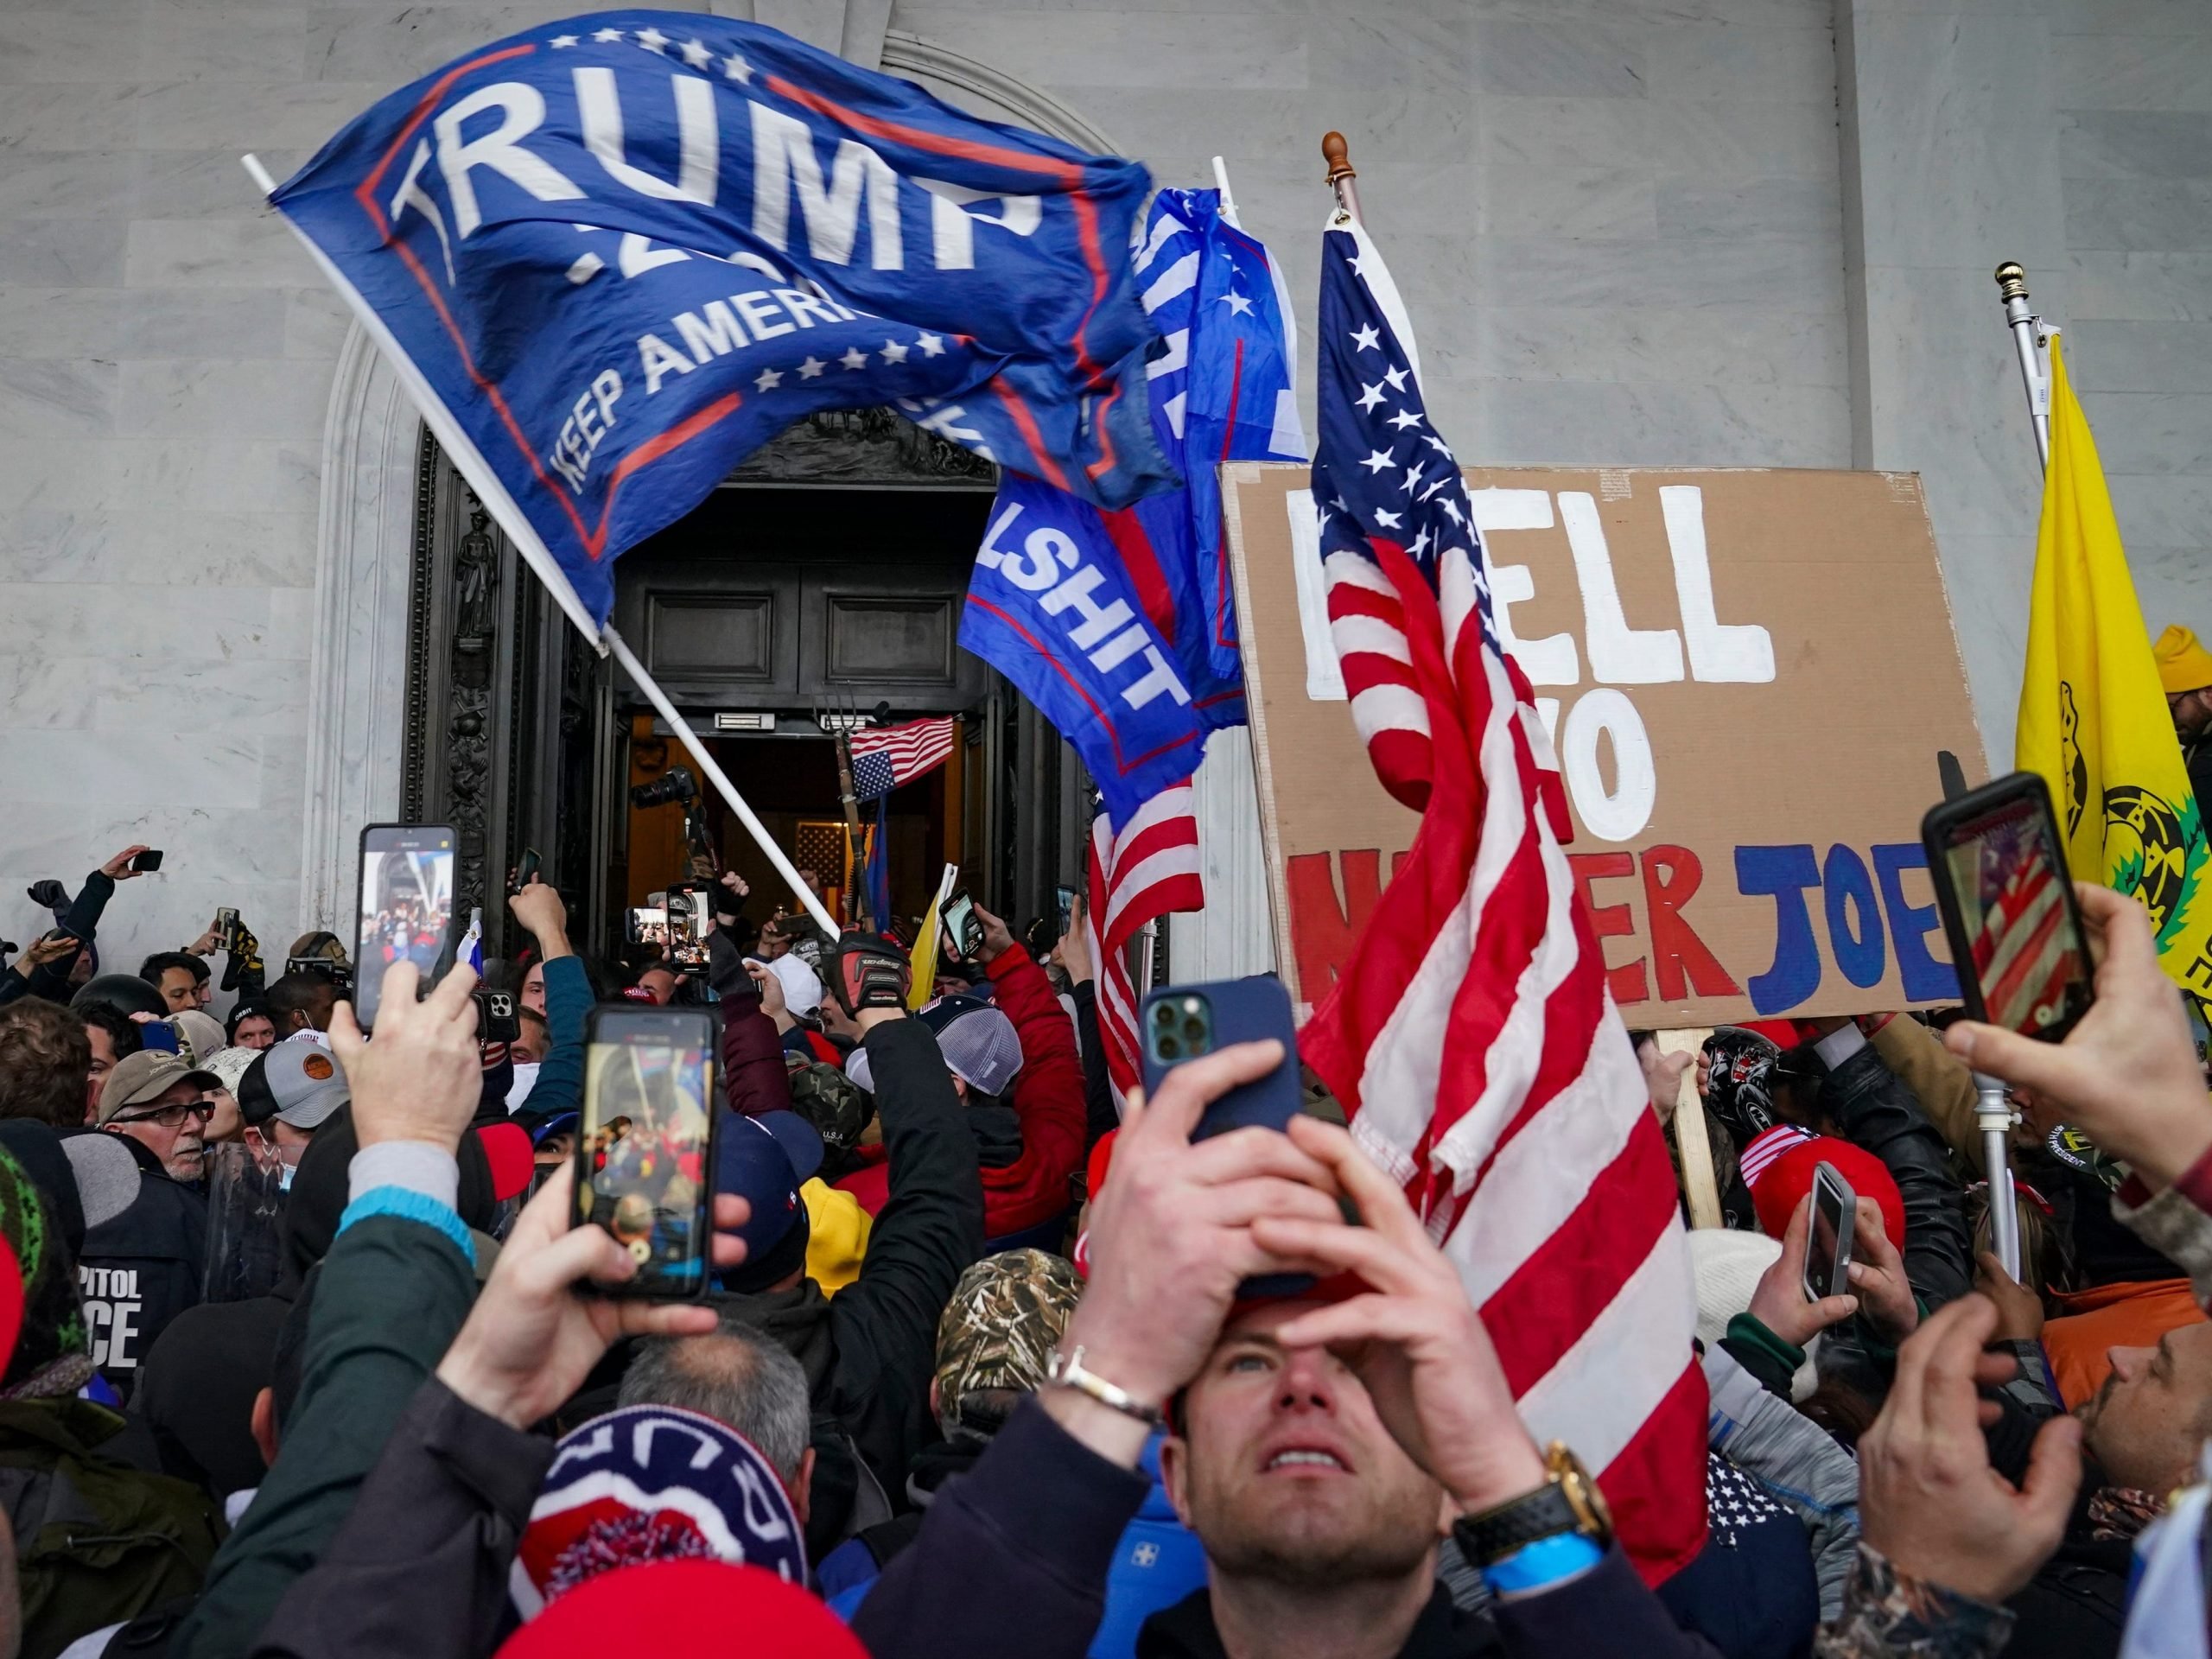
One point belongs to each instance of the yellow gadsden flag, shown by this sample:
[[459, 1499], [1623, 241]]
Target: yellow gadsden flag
[[2093, 717], [922, 959]]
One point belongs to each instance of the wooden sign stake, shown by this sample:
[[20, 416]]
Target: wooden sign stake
[[1699, 1187]]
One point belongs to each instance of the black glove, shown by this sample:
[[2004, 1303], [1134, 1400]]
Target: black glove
[[868, 972]]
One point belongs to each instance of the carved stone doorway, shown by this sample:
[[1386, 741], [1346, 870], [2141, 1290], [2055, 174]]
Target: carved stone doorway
[[828, 571]]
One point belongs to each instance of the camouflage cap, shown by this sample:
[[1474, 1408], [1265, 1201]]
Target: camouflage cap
[[1006, 1315], [837, 1107]]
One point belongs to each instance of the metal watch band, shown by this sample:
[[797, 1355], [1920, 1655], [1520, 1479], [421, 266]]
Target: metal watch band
[[1065, 1371], [1495, 1533]]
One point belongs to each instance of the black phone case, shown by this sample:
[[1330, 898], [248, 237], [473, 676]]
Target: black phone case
[[1244, 1011], [649, 1287], [1936, 830]]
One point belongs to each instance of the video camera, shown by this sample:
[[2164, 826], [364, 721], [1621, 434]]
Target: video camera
[[675, 787]]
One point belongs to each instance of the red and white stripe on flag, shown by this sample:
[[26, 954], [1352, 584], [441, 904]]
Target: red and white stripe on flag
[[1145, 872], [1471, 1038], [912, 748]]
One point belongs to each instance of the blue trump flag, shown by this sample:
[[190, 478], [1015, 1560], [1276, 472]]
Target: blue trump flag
[[1223, 389], [1121, 626], [614, 255]]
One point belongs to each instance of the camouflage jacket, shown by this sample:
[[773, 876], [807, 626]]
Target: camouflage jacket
[[1888, 1615]]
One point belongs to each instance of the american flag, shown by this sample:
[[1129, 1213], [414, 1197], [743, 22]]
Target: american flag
[[885, 757], [1149, 869], [1470, 1035]]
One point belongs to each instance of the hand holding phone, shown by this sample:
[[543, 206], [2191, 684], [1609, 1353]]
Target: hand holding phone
[[1828, 1245], [962, 932], [644, 1155], [405, 908], [1181, 1023], [1998, 869]]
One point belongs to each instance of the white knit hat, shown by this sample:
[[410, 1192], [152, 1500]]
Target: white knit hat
[[1728, 1265]]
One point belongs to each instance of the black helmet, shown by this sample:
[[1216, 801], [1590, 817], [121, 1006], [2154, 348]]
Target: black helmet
[[1739, 1087], [126, 994]]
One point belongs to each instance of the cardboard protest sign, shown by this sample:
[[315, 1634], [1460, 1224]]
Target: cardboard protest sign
[[1749, 676]]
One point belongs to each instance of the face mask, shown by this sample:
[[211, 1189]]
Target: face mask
[[526, 1080], [284, 1174]]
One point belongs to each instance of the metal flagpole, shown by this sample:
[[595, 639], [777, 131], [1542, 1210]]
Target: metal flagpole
[[1994, 1115], [2028, 336], [454, 440]]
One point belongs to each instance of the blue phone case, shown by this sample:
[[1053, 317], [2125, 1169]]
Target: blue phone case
[[1244, 1011]]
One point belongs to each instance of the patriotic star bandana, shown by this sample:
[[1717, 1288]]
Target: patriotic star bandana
[[653, 1483]]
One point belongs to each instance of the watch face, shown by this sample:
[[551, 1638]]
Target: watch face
[[1589, 1503]]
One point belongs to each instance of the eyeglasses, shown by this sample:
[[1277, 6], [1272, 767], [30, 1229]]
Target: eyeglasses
[[170, 1117]]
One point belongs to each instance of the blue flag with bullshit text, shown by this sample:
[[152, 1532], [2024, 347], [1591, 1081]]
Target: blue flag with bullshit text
[[1121, 625], [1051, 606], [614, 255]]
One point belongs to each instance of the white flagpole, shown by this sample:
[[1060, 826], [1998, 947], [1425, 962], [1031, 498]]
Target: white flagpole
[[1228, 202], [455, 442]]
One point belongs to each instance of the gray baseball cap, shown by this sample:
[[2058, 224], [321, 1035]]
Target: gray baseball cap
[[107, 1175]]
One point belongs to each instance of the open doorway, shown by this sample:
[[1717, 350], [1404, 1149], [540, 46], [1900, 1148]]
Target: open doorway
[[790, 781]]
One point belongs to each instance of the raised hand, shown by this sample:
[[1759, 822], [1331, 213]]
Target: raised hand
[[421, 1077], [1413, 1338], [2127, 1074], [1928, 1498], [532, 1340], [1172, 1233], [1779, 1299], [118, 867]]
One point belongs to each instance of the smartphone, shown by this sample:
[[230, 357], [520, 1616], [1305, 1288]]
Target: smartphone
[[1065, 896], [689, 920], [1827, 1244], [497, 1020], [644, 1149], [962, 934], [159, 1035], [148, 861], [1179, 1023], [526, 869], [405, 908], [2007, 900], [226, 930]]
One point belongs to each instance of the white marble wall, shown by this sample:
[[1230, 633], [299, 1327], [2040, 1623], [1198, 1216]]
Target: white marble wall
[[1629, 231], [2071, 135]]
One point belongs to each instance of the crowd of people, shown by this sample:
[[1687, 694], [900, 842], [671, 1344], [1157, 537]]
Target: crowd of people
[[304, 1356]]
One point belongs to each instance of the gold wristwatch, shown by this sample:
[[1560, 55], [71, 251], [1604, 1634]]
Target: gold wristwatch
[[1568, 1500]]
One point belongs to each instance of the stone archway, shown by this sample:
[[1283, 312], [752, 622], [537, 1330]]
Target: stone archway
[[375, 493]]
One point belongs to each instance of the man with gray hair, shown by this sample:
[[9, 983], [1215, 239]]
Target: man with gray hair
[[743, 1378]]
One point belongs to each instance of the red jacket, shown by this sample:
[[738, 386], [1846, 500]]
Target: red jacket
[[1047, 1099], [754, 1078]]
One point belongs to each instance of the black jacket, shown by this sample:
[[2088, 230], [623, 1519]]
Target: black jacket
[[2076, 1604], [1011, 1563], [1873, 1108], [870, 1351], [142, 1269], [81, 921], [1098, 1109], [1443, 1631]]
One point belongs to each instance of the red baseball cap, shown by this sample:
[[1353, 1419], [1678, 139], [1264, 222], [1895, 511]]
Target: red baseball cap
[[1782, 1184]]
